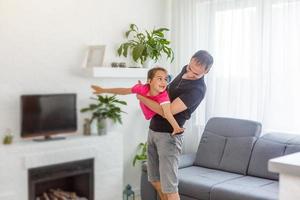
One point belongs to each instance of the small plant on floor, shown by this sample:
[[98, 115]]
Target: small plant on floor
[[141, 153]]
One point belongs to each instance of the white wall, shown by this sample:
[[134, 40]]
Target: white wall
[[42, 49]]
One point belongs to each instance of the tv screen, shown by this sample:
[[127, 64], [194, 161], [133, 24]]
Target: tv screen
[[48, 114]]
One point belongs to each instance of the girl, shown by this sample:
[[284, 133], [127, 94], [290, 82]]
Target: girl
[[155, 89]]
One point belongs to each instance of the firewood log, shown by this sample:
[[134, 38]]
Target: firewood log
[[52, 196], [45, 195], [58, 195]]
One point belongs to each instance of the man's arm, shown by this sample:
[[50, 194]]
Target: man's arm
[[177, 105], [121, 91], [168, 116]]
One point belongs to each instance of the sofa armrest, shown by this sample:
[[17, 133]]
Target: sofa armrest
[[186, 160]]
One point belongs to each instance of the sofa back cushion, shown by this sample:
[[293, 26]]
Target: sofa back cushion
[[226, 144], [269, 146], [293, 146]]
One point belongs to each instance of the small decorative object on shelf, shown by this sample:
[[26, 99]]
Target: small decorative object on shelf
[[128, 194], [86, 127], [114, 64], [95, 56], [8, 137], [122, 64]]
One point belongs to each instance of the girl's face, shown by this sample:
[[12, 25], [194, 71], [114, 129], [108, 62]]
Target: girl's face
[[159, 82]]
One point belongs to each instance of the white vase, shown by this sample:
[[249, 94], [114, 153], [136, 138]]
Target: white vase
[[99, 127], [149, 63]]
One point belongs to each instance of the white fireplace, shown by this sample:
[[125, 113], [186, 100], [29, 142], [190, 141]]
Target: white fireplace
[[18, 158]]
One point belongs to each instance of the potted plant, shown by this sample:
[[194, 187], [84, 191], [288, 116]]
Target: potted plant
[[8, 137], [141, 153], [106, 107], [144, 46]]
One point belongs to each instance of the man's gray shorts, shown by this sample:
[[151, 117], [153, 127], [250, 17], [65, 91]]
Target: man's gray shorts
[[163, 157]]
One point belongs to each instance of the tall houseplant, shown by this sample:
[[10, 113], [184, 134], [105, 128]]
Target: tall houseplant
[[148, 45], [106, 107]]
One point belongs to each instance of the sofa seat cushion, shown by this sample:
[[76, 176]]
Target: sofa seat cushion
[[246, 188], [182, 197], [196, 182]]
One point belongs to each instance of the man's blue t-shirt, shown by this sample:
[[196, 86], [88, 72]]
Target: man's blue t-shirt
[[191, 92]]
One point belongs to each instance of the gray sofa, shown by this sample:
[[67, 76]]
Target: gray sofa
[[231, 163]]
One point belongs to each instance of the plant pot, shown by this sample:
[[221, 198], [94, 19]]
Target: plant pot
[[101, 126], [8, 139], [149, 63]]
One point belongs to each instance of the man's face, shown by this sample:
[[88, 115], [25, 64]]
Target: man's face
[[194, 70]]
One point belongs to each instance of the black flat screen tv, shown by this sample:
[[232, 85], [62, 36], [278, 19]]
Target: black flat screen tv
[[48, 114]]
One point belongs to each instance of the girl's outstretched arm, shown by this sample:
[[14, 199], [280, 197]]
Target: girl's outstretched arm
[[121, 91]]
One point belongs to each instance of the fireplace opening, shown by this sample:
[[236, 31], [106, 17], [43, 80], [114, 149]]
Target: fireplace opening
[[70, 181]]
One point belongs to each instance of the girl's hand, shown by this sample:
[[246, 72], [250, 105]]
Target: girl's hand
[[177, 130], [138, 97], [97, 89]]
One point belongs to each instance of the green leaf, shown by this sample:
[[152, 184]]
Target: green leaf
[[125, 49], [165, 42], [133, 27], [120, 49], [137, 51], [135, 159], [121, 102], [160, 34], [127, 33], [161, 30], [85, 109]]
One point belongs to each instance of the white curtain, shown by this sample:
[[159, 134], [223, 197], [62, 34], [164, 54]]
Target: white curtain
[[256, 48]]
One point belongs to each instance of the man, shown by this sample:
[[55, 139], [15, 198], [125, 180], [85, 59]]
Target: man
[[186, 92]]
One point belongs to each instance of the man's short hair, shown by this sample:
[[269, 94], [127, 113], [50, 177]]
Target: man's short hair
[[204, 58], [151, 72]]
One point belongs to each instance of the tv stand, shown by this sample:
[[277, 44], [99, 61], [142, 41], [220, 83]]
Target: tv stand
[[48, 138]]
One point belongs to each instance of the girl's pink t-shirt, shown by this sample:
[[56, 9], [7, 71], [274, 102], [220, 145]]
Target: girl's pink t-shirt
[[143, 90]]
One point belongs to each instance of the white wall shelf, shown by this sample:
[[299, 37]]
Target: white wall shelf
[[110, 72]]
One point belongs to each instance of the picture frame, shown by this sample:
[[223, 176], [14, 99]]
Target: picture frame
[[95, 56]]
